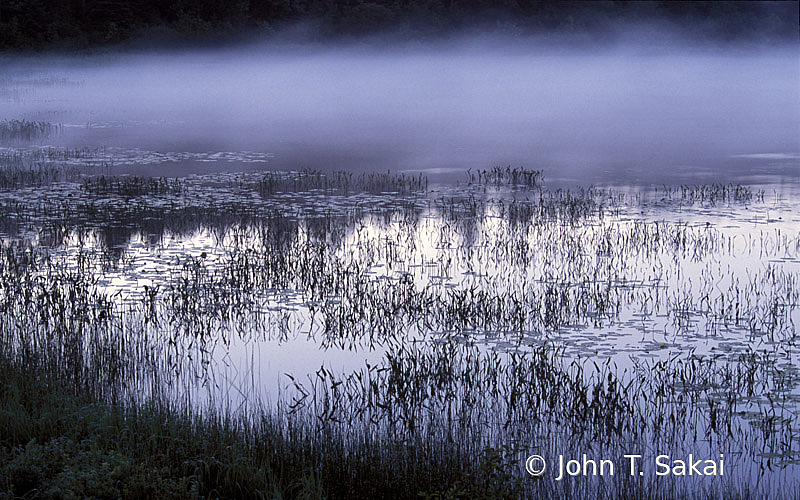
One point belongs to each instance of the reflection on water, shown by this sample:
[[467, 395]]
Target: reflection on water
[[642, 273], [238, 290], [473, 306]]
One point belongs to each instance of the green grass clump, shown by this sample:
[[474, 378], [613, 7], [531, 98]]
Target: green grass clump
[[59, 442]]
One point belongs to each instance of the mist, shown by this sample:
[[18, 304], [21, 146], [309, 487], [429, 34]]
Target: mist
[[625, 282], [611, 112]]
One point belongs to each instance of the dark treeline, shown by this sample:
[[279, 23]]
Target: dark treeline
[[36, 24]]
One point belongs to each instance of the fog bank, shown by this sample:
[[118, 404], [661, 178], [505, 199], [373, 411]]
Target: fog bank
[[570, 111]]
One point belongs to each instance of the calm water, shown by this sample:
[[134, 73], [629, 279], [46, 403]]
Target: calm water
[[624, 114], [631, 273]]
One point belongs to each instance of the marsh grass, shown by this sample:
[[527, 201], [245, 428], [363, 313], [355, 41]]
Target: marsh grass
[[26, 130], [131, 186], [508, 175], [60, 442], [40, 167], [87, 375], [36, 175], [339, 182]]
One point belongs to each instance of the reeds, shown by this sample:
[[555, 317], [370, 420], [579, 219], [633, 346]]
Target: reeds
[[26, 130], [339, 182], [131, 186], [503, 176], [480, 305]]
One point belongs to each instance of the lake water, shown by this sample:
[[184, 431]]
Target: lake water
[[663, 228]]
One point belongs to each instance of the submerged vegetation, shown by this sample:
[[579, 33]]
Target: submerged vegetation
[[498, 318]]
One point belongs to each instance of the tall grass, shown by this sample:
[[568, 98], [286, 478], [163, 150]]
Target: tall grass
[[473, 287], [26, 130]]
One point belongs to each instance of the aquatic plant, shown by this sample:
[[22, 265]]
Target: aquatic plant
[[491, 316], [26, 130]]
